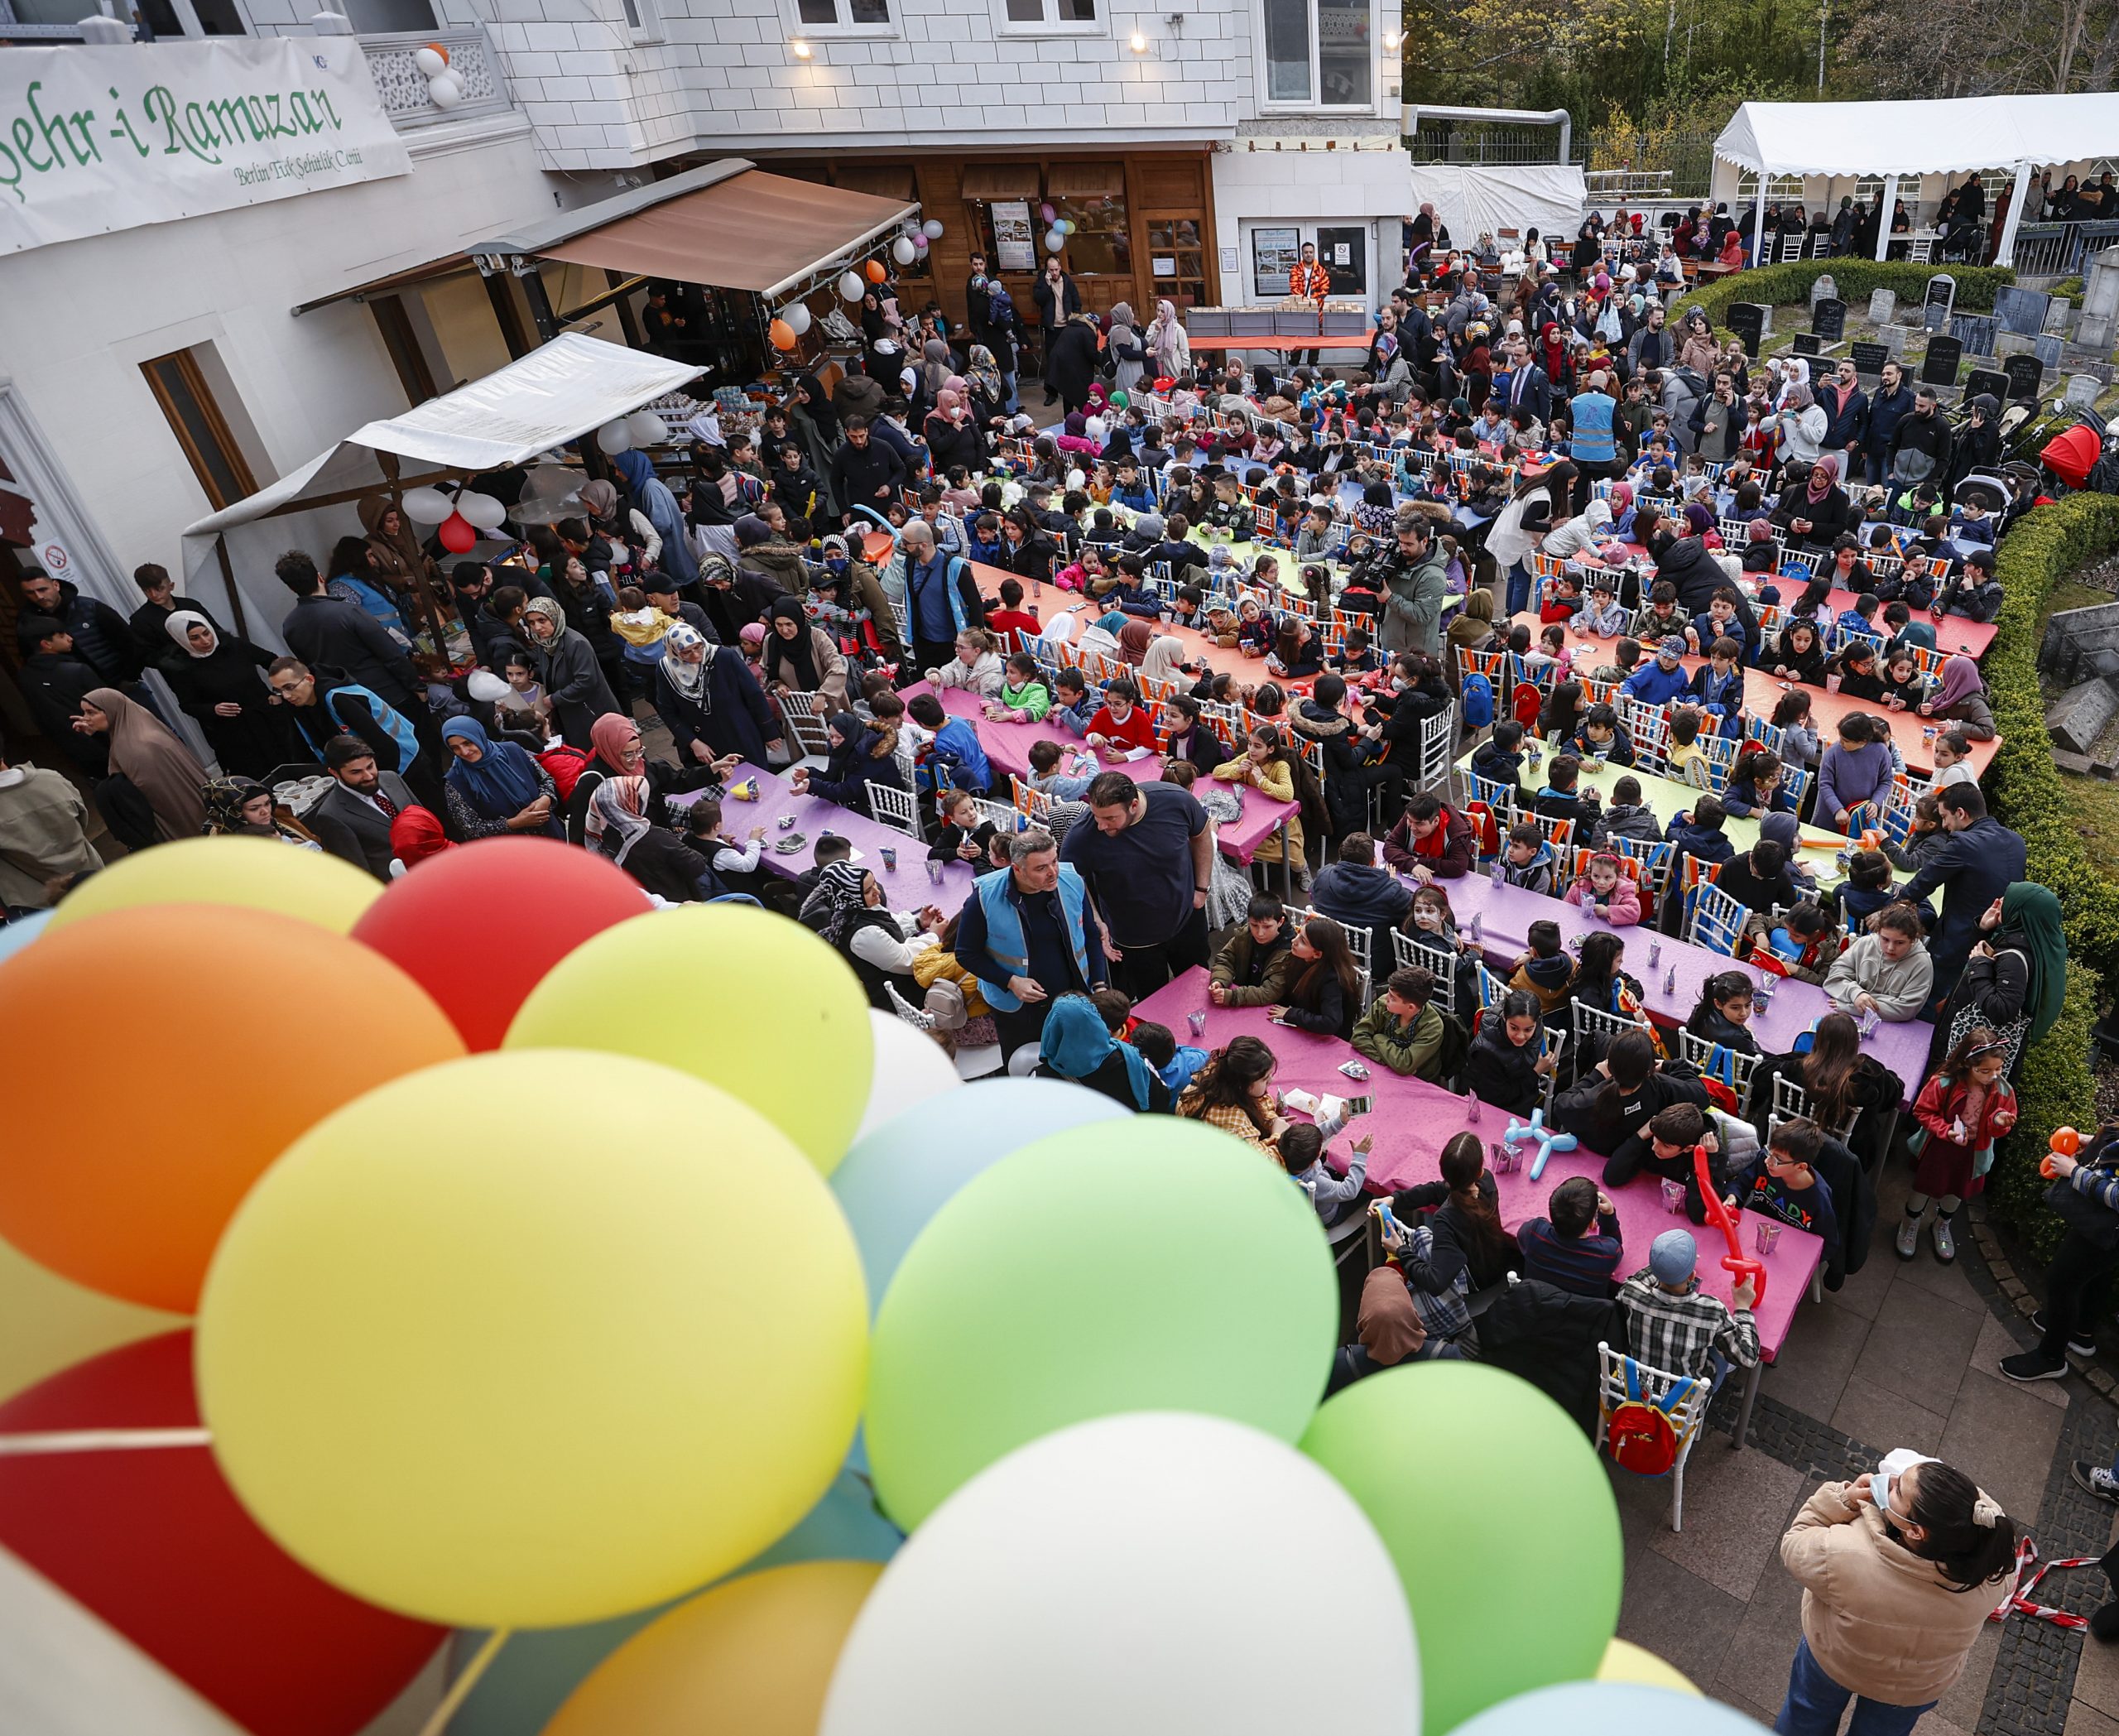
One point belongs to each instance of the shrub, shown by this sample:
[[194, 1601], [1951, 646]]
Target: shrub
[[1775, 284], [2027, 793]]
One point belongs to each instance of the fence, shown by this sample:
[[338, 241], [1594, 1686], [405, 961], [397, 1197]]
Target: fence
[[2061, 249], [1483, 143]]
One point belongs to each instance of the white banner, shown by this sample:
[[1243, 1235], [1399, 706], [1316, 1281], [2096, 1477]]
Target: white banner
[[94, 139]]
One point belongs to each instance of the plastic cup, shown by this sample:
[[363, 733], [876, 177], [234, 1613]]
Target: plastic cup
[[889, 857], [1674, 1196], [1198, 1021], [1765, 1235], [933, 872]]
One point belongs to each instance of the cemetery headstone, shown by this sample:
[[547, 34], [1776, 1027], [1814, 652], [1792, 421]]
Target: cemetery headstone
[[1939, 303], [2023, 373], [2083, 391], [2021, 310], [1828, 319], [1883, 306], [2047, 346], [1822, 288], [1974, 331], [1747, 321], [1868, 359], [1943, 355], [1995, 385], [1808, 344]]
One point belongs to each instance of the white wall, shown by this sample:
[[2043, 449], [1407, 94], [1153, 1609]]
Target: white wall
[[1256, 184], [83, 315]]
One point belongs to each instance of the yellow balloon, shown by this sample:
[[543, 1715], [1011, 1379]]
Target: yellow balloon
[[750, 1658], [312, 885], [731, 994], [53, 1323], [533, 1340], [1626, 1661]]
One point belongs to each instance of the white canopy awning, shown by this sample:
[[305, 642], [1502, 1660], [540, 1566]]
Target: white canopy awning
[[1945, 135], [553, 395]]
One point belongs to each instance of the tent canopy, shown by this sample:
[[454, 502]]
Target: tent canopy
[[1945, 135], [1547, 197], [553, 395]]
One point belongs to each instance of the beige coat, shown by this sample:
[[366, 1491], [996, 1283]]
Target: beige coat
[[1880, 1620]]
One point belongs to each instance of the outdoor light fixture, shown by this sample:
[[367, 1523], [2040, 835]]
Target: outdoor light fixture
[[1138, 42], [801, 47], [1392, 39]]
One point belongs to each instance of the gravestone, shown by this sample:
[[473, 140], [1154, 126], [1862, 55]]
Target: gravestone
[[1995, 385], [1883, 306], [2023, 373], [1746, 322], [1828, 319], [1939, 303], [2047, 346], [2094, 331], [2021, 310], [1808, 344], [1943, 355], [1822, 289], [1868, 359], [2083, 391], [1974, 331]]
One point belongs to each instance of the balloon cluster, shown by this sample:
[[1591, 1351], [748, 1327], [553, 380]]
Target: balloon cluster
[[546, 1251], [640, 429], [445, 85]]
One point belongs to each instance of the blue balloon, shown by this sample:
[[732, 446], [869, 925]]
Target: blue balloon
[[896, 1179], [17, 935], [1608, 1709], [536, 1670]]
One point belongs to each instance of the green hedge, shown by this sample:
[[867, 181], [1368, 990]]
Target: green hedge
[[1778, 285], [2027, 793]]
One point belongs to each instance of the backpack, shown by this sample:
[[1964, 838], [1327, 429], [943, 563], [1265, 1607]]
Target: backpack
[[1477, 701], [1640, 1432], [1528, 702]]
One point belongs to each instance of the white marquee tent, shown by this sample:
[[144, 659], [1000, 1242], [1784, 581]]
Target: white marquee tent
[[555, 394], [1950, 135]]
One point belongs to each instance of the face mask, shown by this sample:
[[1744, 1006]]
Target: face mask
[[836, 563]]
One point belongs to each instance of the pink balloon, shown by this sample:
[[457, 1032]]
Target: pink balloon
[[1047, 213], [920, 242]]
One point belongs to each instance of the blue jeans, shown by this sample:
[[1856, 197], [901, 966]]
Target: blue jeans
[[1815, 1702], [1519, 589]]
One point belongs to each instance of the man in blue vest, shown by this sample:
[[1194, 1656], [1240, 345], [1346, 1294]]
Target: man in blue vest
[[941, 596], [1030, 934]]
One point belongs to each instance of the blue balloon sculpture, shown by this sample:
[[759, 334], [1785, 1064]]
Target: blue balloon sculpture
[[1548, 1142]]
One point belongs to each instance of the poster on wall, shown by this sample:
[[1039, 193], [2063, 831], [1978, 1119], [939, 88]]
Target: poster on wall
[[95, 139], [1273, 254], [1013, 246]]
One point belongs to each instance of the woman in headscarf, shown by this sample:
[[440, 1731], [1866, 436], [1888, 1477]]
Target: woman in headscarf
[[1960, 701], [220, 682], [653, 498], [1393, 376], [935, 368], [664, 864], [1696, 346], [800, 658], [860, 755], [618, 753], [572, 679], [1128, 353], [241, 807], [1070, 361], [495, 787], [1078, 1046], [2015, 980], [1169, 350], [1700, 523], [1588, 249], [398, 555], [710, 702], [991, 393], [878, 945], [415, 835], [1164, 660], [599, 500], [148, 757], [1816, 510], [810, 415], [953, 435]]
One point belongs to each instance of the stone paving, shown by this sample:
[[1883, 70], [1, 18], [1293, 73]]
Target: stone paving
[[1903, 1355]]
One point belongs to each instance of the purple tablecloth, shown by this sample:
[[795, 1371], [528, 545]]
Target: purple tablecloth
[[1505, 914], [1413, 1120]]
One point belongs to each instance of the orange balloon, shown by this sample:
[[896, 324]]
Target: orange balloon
[[781, 334], [2066, 1141], [170, 1053], [875, 271]]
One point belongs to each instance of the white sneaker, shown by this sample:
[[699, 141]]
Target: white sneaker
[[1907, 1242], [1945, 1242], [2096, 1479]]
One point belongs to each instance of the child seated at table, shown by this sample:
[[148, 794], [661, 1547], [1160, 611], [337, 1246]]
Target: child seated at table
[[1506, 1065], [1781, 1183], [1664, 1148], [1500, 757], [1174, 1063], [1717, 687], [1603, 889], [812, 904], [955, 756], [1578, 1247], [1358, 655], [1974, 592], [1526, 859], [1012, 617], [1722, 1014], [1073, 704], [1544, 969], [1024, 698], [1686, 759], [1603, 614], [963, 836], [1563, 600], [1255, 629], [1301, 1150], [1720, 621], [1802, 946], [1403, 1029], [1601, 739], [1755, 784], [1973, 524], [1626, 658], [977, 665], [735, 866], [1122, 723], [1563, 798]]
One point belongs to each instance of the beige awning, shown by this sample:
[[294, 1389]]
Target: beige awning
[[752, 231]]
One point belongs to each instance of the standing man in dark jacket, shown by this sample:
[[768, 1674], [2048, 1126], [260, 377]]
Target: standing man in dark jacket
[[864, 473], [1056, 299], [1846, 409], [1889, 405], [102, 638], [1973, 868], [150, 622], [977, 299], [55, 679], [1528, 386], [1920, 444], [321, 630]]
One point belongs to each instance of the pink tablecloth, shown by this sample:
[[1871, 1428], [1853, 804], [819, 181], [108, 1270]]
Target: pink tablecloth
[[1413, 1120], [1505, 914]]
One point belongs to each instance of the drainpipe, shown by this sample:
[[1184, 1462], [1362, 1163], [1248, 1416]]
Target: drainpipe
[[1528, 117]]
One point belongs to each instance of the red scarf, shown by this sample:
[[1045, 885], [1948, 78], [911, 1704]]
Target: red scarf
[[1437, 841]]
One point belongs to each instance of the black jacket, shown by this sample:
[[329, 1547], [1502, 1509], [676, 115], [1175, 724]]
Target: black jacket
[[866, 476], [1580, 1110], [149, 627], [102, 638], [1052, 310], [1497, 1072], [731, 715], [1549, 1338], [321, 630], [54, 683], [1971, 871]]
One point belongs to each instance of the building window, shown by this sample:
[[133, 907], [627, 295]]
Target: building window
[[643, 20], [181, 388], [171, 18], [1101, 241], [1319, 54], [386, 18], [1048, 18], [842, 15]]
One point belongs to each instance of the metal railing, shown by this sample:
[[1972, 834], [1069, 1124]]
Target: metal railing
[[2061, 249], [403, 87], [1480, 143]]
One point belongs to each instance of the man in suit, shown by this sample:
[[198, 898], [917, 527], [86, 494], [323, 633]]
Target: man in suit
[[1528, 384], [353, 820]]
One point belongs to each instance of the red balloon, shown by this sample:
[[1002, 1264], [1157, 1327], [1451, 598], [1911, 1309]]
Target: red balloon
[[156, 1546], [458, 534], [478, 927]]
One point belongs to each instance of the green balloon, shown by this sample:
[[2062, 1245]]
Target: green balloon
[[1501, 1520], [1049, 1291]]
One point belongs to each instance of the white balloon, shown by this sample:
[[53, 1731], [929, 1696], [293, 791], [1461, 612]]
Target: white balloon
[[554, 481], [613, 437], [797, 317], [430, 62], [852, 286], [910, 1067], [444, 92], [932, 229], [482, 511], [1132, 1576], [903, 250], [427, 506], [1054, 241], [646, 427]]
